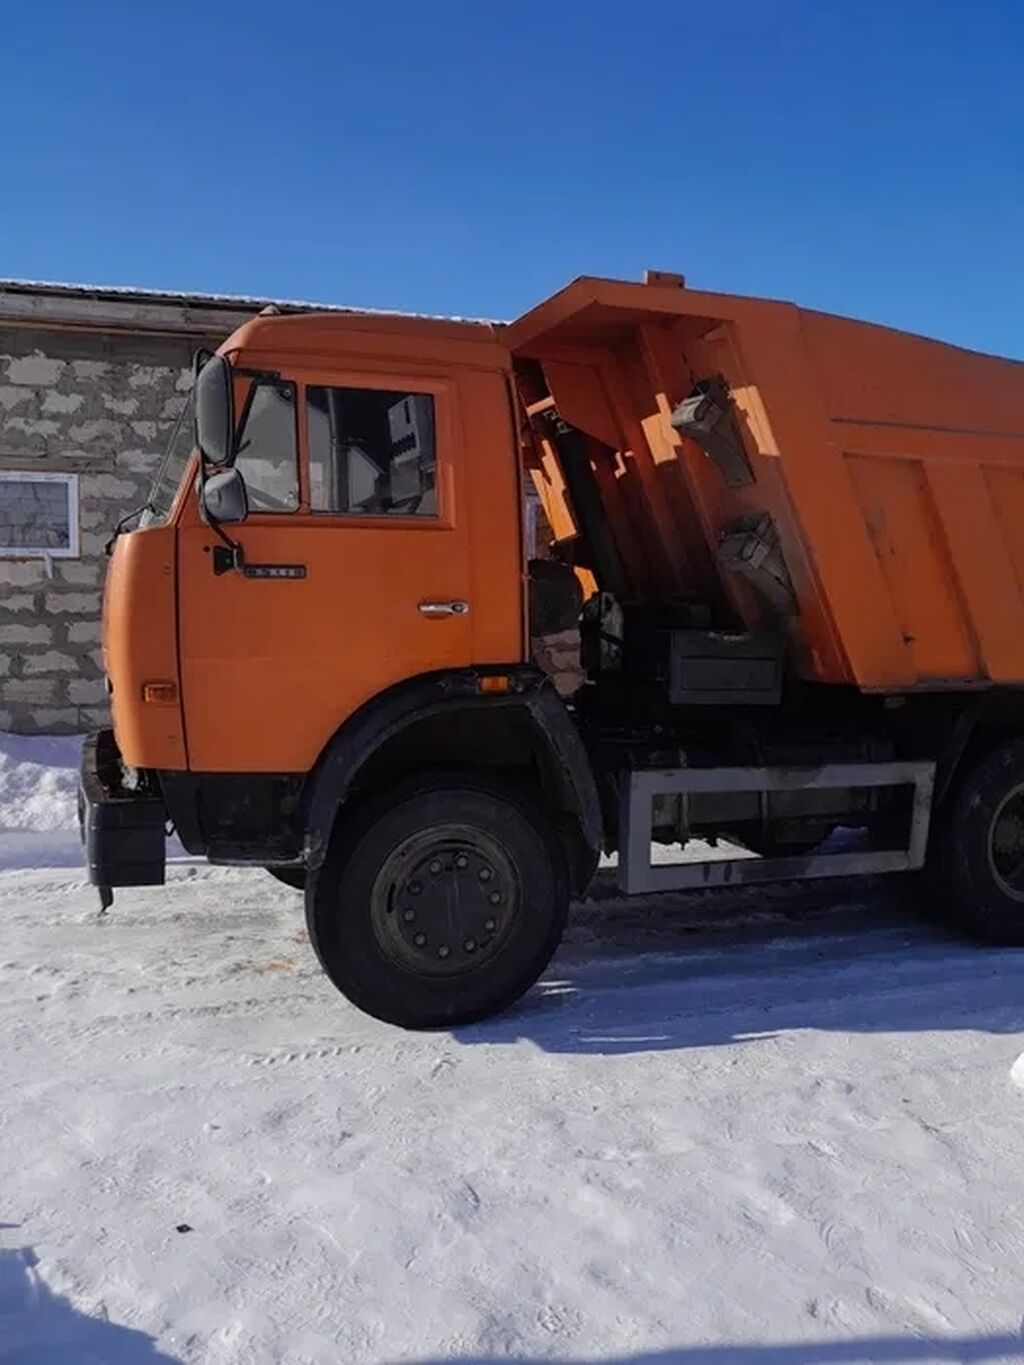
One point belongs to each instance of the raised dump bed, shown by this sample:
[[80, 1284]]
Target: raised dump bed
[[861, 488]]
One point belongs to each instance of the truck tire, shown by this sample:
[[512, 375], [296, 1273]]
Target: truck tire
[[295, 877], [977, 849], [440, 901]]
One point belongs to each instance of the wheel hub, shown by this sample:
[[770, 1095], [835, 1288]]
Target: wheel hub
[[1006, 844], [445, 901]]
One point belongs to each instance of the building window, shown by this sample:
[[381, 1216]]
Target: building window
[[38, 515], [371, 452]]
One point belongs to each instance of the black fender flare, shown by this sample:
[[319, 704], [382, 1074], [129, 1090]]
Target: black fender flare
[[567, 772]]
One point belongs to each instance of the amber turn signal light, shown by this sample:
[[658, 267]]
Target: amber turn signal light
[[159, 691], [497, 682]]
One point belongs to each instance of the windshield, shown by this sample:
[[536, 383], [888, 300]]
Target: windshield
[[172, 467]]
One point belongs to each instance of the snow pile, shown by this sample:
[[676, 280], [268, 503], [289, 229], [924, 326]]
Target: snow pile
[[38, 781], [1017, 1072], [38, 800]]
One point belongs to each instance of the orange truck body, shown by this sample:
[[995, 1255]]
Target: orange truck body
[[786, 572], [892, 466]]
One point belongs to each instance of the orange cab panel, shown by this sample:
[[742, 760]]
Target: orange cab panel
[[140, 649], [394, 551]]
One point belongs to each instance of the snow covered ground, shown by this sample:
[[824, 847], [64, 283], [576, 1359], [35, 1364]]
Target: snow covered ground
[[781, 1127], [38, 781]]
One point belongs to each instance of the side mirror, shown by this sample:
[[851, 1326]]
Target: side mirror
[[224, 497], [214, 409]]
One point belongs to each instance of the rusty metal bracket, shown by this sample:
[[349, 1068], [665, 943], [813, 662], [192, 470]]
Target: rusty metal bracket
[[752, 549], [706, 416]]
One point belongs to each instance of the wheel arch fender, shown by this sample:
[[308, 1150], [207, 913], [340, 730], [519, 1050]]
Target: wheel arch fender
[[394, 731]]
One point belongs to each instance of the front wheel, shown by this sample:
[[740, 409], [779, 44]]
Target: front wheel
[[439, 902], [977, 862]]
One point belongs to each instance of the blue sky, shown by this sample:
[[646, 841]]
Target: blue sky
[[864, 158]]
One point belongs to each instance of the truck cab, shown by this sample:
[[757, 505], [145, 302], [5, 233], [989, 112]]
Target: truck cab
[[381, 541]]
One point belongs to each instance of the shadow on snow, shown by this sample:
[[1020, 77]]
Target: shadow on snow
[[868, 1351], [38, 1327], [703, 969]]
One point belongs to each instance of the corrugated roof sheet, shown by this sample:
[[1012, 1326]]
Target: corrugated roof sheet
[[235, 302]]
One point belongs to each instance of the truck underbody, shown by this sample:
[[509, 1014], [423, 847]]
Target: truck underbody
[[772, 783]]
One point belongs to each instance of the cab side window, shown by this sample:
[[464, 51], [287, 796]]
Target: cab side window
[[371, 452], [267, 450]]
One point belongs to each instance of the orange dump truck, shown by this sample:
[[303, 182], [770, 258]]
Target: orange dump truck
[[779, 590]]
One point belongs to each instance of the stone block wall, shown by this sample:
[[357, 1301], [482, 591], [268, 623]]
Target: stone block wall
[[102, 407]]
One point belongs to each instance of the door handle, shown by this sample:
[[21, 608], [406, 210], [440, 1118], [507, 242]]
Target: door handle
[[443, 608]]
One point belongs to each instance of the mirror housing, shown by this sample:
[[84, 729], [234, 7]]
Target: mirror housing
[[224, 498], [214, 408]]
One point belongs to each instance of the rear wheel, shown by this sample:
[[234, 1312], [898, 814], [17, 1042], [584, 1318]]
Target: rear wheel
[[977, 849], [440, 901]]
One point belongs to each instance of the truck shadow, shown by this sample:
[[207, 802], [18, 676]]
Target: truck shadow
[[38, 1327], [868, 1351], [700, 970]]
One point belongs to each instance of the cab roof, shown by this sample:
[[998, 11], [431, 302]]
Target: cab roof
[[308, 336]]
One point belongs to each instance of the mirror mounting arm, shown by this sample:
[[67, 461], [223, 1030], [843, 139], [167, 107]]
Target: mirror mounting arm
[[228, 559], [232, 551], [232, 555]]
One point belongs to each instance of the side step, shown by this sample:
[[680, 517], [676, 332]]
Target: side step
[[638, 876]]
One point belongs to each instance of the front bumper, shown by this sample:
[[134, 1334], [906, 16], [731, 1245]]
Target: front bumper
[[123, 822]]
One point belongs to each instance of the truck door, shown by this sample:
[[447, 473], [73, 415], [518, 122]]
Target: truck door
[[355, 574]]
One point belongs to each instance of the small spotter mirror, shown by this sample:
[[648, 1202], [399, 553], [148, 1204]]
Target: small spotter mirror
[[224, 497]]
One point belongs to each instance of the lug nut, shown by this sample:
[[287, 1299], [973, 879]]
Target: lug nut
[[415, 888], [435, 867], [489, 924], [408, 916], [470, 945], [444, 950], [495, 897], [420, 940], [462, 861], [485, 874]]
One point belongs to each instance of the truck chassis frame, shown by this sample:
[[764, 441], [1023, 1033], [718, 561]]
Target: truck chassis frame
[[638, 876]]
